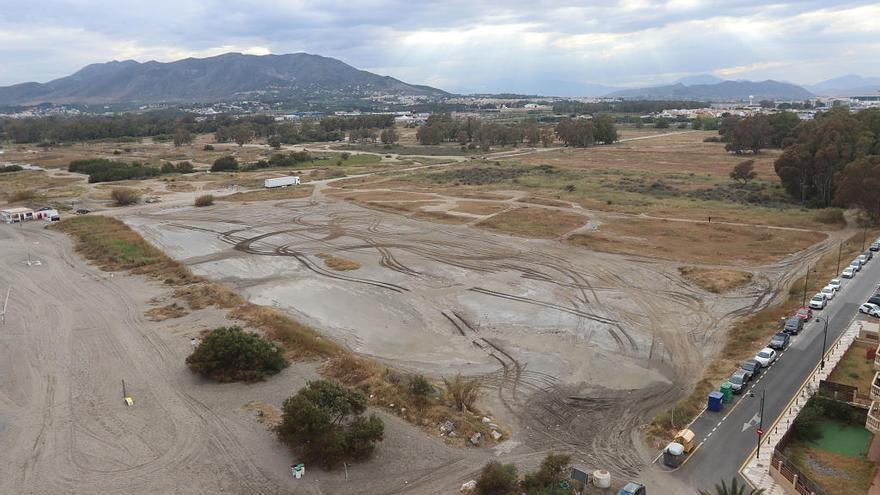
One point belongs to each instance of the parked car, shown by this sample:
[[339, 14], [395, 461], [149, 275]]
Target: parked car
[[874, 247], [738, 381], [848, 272], [875, 299], [818, 301], [752, 367], [779, 341], [835, 282], [870, 309], [793, 325], [856, 264], [766, 356], [869, 254], [863, 259], [632, 488], [805, 314], [828, 292]]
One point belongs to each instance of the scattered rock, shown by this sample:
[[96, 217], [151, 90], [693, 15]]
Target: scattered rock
[[447, 427], [476, 438], [487, 419], [468, 488], [493, 426], [496, 434]]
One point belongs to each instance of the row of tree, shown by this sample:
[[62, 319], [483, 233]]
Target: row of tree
[[574, 107], [587, 132], [441, 128], [180, 127]]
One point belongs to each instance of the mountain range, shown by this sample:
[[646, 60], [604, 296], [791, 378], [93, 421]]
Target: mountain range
[[227, 77], [304, 77]]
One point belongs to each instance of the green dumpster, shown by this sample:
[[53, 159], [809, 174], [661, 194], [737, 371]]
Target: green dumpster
[[727, 392]]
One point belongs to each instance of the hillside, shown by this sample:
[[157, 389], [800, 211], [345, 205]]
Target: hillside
[[725, 90], [849, 85], [227, 77]]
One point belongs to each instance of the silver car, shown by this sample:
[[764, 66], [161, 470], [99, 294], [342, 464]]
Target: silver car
[[738, 381]]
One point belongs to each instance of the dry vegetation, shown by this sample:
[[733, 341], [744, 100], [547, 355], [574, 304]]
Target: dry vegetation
[[271, 194], [204, 200], [854, 368], [534, 222], [337, 263], [744, 339], [34, 188], [166, 312], [716, 280], [699, 242], [479, 207]]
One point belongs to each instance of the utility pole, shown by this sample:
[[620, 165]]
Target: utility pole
[[761, 424], [824, 344], [864, 235], [806, 279], [839, 254]]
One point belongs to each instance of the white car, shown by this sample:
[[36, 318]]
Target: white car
[[835, 282], [766, 356], [848, 272], [863, 258], [870, 309], [856, 265], [829, 292], [818, 301]]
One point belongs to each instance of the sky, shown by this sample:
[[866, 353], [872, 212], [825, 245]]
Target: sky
[[464, 46]]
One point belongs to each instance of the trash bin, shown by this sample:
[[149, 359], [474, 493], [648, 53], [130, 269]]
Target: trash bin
[[298, 470], [716, 400], [673, 455], [727, 392]]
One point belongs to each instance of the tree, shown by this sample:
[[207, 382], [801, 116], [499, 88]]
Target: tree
[[497, 479], [324, 423], [547, 137], [242, 134], [463, 391], [274, 142], [578, 132], [661, 123], [124, 196], [551, 472], [182, 136], [420, 389], [224, 163], [749, 134], [606, 131], [860, 185], [735, 488], [389, 136], [744, 171], [230, 354]]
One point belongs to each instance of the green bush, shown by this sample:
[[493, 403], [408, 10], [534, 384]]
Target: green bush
[[324, 423], [552, 471], [230, 354], [124, 196], [11, 168], [103, 170], [497, 479], [224, 163]]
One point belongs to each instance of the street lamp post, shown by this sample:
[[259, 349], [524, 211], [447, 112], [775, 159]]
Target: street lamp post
[[864, 235], [839, 253], [760, 424], [824, 343], [806, 280]]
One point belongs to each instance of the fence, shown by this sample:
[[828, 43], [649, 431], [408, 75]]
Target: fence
[[787, 470]]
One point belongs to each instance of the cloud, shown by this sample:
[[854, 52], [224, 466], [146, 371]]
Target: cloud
[[537, 46]]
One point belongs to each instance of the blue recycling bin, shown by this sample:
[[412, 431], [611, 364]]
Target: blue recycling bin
[[716, 401]]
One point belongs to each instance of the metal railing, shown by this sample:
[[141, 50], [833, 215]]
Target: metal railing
[[872, 423], [875, 387]]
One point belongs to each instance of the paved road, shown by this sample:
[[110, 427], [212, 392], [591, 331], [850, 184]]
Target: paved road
[[726, 438]]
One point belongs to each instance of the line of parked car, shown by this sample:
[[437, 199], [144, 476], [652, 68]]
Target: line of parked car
[[871, 307], [751, 369]]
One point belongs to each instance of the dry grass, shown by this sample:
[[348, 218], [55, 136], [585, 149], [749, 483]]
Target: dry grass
[[266, 413], [543, 201], [382, 196], [716, 280], [295, 192], [204, 200], [854, 368], [123, 196], [837, 474], [337, 263], [441, 217], [299, 340], [31, 186], [679, 153], [166, 312], [479, 207], [388, 389], [696, 241], [744, 339], [534, 222], [203, 294]]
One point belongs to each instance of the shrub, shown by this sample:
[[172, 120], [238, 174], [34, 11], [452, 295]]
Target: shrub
[[324, 423], [345, 155], [831, 216], [230, 354], [205, 200], [209, 147], [497, 479], [462, 391], [551, 472], [224, 163], [124, 196], [420, 388], [103, 170], [11, 168], [22, 195]]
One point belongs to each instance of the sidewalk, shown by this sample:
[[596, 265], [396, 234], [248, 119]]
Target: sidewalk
[[757, 471]]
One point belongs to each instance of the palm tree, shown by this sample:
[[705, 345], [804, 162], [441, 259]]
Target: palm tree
[[734, 489]]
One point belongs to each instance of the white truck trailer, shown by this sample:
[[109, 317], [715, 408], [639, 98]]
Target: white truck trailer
[[281, 182]]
